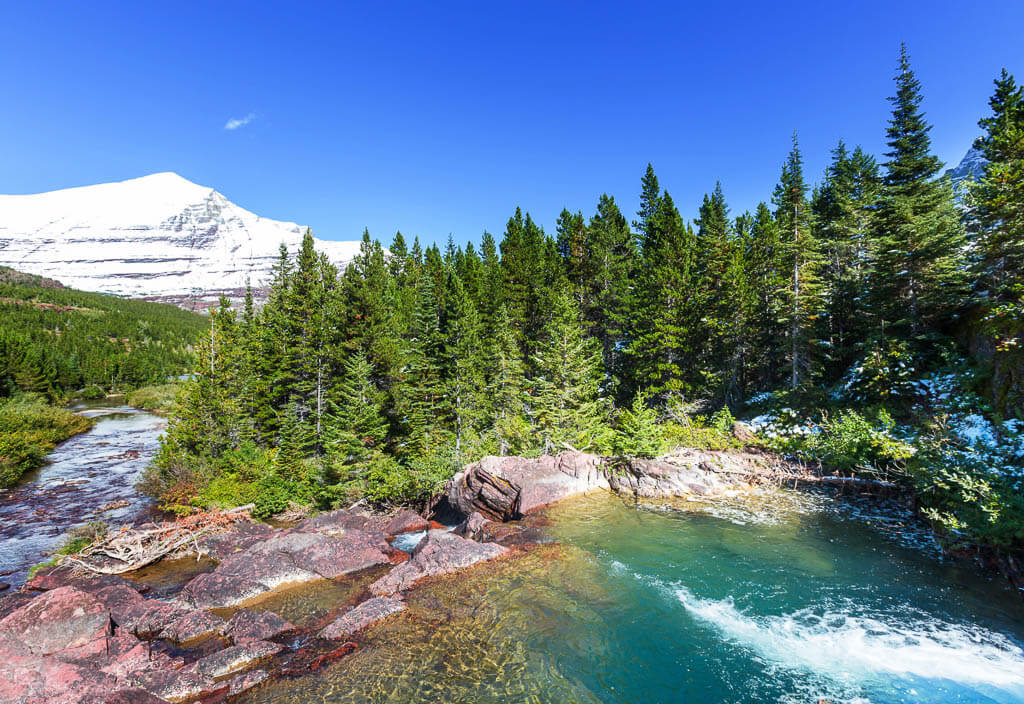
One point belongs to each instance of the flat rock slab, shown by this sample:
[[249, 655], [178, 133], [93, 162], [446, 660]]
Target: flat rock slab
[[242, 535], [24, 680], [339, 521], [289, 557], [651, 479], [440, 552], [64, 576], [192, 626], [362, 616], [244, 681], [63, 618], [237, 657], [175, 685], [245, 625]]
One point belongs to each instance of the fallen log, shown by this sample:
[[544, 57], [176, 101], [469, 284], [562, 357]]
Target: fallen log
[[134, 547]]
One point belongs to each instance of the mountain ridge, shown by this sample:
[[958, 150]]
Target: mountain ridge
[[156, 237]]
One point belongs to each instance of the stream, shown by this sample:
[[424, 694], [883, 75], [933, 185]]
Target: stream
[[83, 474]]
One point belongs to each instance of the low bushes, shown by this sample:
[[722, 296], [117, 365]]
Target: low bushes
[[29, 429]]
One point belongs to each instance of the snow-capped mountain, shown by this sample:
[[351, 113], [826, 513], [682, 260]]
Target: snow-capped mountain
[[159, 237], [970, 168]]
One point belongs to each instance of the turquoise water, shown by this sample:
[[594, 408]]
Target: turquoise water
[[633, 605]]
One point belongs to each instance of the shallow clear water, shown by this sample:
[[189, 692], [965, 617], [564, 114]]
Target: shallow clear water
[[797, 605], [85, 473]]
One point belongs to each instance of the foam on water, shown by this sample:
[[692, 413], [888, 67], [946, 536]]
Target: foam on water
[[860, 647]]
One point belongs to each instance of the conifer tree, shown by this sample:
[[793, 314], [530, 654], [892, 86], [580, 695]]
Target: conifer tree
[[356, 428], [767, 277], [919, 261], [566, 401], [506, 387], [802, 261], [998, 220], [463, 363]]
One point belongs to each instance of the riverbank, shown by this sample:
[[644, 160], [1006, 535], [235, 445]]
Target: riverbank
[[29, 429], [368, 608]]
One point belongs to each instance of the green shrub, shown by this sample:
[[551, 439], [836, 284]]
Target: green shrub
[[638, 433], [851, 443], [93, 392], [412, 483], [29, 429], [158, 399], [686, 428], [274, 494]]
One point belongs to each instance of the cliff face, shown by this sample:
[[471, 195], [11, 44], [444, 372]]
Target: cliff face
[[159, 237]]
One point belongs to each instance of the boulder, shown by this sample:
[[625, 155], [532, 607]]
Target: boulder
[[246, 625], [470, 527], [233, 659], [63, 618], [406, 522], [28, 680], [506, 488], [362, 616], [66, 576], [440, 552]]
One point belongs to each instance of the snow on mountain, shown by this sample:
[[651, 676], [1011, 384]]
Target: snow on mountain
[[970, 168], [159, 237]]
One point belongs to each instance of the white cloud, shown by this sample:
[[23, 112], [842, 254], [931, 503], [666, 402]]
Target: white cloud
[[235, 122]]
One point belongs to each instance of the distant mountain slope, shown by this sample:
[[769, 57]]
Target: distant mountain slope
[[970, 168], [159, 237]]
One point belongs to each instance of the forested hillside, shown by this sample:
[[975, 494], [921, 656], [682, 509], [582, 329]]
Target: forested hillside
[[831, 312], [57, 341]]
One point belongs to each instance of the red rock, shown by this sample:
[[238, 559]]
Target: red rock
[[471, 526], [247, 625], [242, 535], [245, 681], [340, 521], [406, 522], [175, 685], [63, 618], [213, 589], [362, 616], [439, 552], [333, 656], [61, 576], [192, 626], [235, 658]]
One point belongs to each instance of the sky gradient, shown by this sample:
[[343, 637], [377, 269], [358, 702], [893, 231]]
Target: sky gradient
[[441, 118]]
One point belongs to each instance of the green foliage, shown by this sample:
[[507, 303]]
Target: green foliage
[[157, 399], [853, 444], [92, 392], [687, 428], [273, 494], [82, 536], [29, 428], [638, 433], [413, 483]]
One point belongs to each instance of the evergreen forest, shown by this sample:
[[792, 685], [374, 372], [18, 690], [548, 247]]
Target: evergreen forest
[[868, 319]]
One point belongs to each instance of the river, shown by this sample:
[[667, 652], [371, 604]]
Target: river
[[83, 474], [802, 604]]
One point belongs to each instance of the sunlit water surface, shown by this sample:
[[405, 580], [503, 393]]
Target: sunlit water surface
[[635, 605], [83, 475]]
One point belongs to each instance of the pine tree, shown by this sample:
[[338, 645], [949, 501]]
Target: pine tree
[[566, 402], [802, 261], [356, 428], [767, 277], [919, 261], [843, 211], [506, 387], [998, 220], [713, 257], [463, 363]]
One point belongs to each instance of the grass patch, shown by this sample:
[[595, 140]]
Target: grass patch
[[157, 399], [29, 429]]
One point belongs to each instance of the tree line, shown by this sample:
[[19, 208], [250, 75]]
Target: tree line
[[358, 381]]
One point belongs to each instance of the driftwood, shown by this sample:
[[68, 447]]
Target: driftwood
[[135, 547]]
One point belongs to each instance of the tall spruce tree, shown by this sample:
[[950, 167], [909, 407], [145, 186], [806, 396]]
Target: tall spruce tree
[[919, 262], [802, 260], [998, 218], [567, 406]]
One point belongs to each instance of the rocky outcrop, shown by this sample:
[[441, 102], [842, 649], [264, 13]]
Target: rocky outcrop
[[63, 618], [361, 617], [506, 488], [406, 521], [286, 558], [245, 625], [439, 552]]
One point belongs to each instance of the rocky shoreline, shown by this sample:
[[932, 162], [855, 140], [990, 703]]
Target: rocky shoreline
[[82, 638]]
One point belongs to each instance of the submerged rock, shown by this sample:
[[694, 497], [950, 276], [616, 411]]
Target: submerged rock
[[439, 552], [235, 658], [362, 616]]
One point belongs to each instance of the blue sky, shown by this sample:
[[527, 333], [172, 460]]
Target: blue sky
[[441, 118]]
